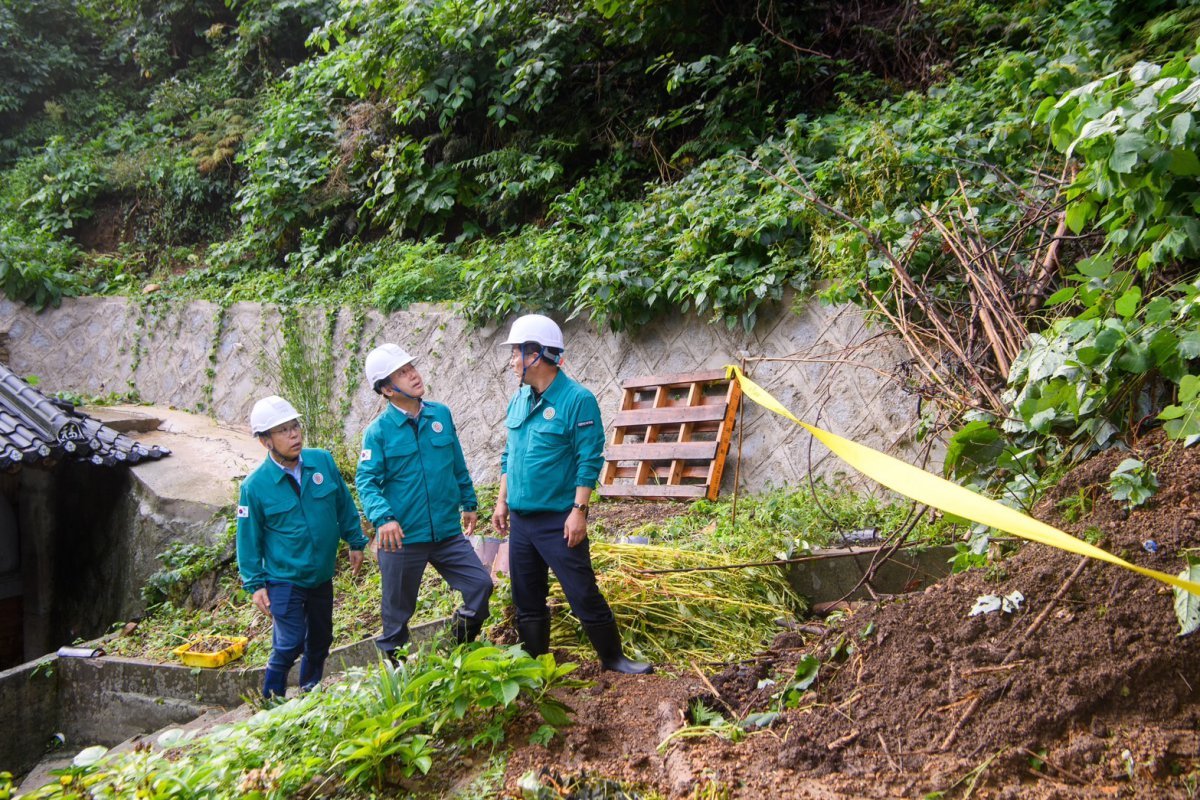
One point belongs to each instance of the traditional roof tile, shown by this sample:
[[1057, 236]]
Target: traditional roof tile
[[37, 430]]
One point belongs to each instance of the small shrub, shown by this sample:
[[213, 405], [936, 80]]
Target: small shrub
[[35, 266], [411, 273]]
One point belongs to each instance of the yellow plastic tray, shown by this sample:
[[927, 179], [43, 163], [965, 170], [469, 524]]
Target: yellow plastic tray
[[231, 652]]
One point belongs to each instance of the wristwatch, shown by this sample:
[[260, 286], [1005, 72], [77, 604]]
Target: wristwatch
[[582, 507]]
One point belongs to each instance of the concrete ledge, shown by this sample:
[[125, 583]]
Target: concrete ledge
[[29, 695], [107, 700], [833, 573], [123, 418]]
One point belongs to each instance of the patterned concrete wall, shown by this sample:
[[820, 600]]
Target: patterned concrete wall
[[193, 356]]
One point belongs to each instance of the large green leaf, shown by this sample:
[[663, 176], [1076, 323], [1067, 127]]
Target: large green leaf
[[1128, 303], [1187, 605], [1079, 214], [1125, 152], [1184, 162]]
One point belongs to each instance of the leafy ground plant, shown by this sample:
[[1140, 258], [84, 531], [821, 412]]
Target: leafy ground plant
[[374, 728], [1132, 482]]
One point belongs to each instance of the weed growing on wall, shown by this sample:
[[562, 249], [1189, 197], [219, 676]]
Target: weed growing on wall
[[214, 353], [303, 369]]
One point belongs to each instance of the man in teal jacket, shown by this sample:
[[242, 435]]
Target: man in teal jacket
[[292, 512], [414, 487], [549, 467]]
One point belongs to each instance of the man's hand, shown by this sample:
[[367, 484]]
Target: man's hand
[[390, 537], [575, 528], [261, 601], [469, 519], [356, 562], [500, 517]]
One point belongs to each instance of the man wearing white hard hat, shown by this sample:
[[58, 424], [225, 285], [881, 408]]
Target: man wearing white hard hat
[[292, 513], [549, 467], [415, 489]]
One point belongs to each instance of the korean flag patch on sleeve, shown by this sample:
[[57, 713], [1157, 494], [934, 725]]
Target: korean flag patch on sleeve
[[243, 511], [365, 455]]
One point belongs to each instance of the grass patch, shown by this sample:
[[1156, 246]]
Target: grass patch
[[710, 614], [784, 523], [356, 615]]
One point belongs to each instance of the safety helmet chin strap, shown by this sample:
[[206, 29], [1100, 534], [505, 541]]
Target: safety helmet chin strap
[[541, 353], [396, 388], [275, 454]]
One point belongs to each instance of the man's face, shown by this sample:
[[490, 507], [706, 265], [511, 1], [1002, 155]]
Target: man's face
[[286, 440], [519, 362], [407, 380]]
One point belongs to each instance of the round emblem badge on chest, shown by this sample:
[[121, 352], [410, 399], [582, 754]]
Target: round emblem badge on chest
[[548, 413], [437, 426], [318, 478]]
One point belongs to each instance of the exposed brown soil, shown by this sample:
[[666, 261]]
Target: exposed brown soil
[[111, 225], [622, 518], [1086, 692]]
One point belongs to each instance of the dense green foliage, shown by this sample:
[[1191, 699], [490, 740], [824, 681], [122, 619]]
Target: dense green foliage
[[512, 155], [622, 161], [1122, 350]]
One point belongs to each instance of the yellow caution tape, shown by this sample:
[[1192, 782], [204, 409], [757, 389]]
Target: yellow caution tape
[[927, 488]]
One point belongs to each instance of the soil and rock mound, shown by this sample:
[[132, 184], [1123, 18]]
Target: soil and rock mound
[[1086, 691]]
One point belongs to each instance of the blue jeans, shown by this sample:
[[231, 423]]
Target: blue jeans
[[303, 625], [401, 571], [535, 544]]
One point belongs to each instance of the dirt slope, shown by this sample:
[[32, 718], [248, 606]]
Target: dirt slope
[[1086, 692]]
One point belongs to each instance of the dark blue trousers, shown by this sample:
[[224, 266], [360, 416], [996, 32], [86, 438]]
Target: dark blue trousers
[[401, 572], [536, 544], [302, 625]]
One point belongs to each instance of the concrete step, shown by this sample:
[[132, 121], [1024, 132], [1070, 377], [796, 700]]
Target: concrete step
[[40, 775], [124, 418], [210, 719]]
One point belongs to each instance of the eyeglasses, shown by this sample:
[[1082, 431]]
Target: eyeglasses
[[288, 428]]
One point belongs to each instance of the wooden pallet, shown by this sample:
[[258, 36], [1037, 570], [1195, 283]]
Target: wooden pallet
[[671, 436]]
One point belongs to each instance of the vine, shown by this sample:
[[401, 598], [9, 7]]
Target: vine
[[214, 352], [139, 348], [354, 361], [150, 309], [303, 371]]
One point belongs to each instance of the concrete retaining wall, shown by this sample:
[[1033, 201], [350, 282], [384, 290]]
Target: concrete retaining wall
[[835, 573], [196, 356]]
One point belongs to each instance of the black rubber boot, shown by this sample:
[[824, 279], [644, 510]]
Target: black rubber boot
[[465, 629], [535, 635], [607, 641]]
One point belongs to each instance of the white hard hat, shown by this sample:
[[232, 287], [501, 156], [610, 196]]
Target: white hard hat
[[269, 412], [383, 361], [535, 328]]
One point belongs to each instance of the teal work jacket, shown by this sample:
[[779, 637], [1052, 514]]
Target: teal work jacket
[[554, 445], [414, 472], [282, 537]]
